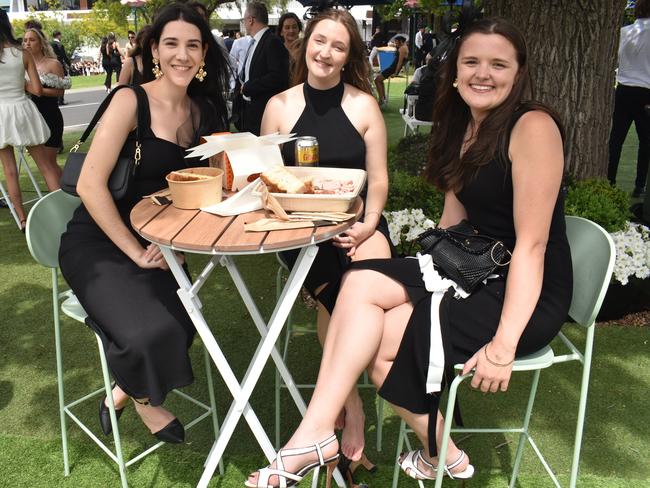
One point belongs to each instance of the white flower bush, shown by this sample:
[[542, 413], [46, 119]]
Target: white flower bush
[[632, 253], [404, 227], [632, 245]]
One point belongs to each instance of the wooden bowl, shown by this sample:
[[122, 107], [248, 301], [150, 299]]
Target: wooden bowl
[[196, 193]]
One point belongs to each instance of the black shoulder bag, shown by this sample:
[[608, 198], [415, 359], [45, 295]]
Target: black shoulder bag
[[126, 165], [464, 255]]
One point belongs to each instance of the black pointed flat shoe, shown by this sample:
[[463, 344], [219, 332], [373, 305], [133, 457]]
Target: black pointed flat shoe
[[105, 417], [173, 433]]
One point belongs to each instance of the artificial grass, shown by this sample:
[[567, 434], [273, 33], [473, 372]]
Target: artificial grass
[[615, 442]]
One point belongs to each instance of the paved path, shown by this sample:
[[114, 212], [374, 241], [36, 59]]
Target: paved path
[[82, 105]]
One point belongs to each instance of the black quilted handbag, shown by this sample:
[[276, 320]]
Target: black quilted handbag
[[464, 255]]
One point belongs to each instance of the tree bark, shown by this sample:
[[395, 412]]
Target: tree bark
[[573, 46]]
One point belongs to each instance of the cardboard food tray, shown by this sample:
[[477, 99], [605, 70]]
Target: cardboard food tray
[[321, 203]]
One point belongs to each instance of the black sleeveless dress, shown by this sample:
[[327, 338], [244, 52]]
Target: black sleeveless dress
[[340, 146], [468, 324], [144, 327]]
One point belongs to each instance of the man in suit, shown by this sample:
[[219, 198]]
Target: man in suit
[[265, 70], [59, 51]]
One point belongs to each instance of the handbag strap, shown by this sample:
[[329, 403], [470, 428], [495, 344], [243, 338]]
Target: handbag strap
[[142, 105]]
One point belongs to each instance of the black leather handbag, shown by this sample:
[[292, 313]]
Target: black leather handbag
[[464, 255], [118, 182]]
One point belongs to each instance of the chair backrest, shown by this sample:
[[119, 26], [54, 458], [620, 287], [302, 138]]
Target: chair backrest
[[46, 222], [593, 255]]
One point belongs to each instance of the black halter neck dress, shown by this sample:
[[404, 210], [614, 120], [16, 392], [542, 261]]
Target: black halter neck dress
[[340, 146]]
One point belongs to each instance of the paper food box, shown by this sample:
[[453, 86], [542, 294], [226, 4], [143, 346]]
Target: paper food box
[[242, 156]]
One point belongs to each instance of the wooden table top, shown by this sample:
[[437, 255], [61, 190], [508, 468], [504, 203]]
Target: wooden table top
[[202, 232]]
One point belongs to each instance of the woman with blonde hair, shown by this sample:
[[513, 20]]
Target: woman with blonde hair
[[331, 100], [55, 82]]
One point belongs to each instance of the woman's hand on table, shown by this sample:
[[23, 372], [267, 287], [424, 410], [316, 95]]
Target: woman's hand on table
[[488, 376], [152, 258], [353, 237]]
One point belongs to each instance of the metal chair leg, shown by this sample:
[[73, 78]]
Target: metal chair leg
[[380, 421], [213, 402], [449, 416], [523, 437], [582, 406], [400, 444], [59, 371], [111, 408]]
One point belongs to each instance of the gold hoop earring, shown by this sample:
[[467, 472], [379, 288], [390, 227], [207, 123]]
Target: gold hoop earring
[[157, 72], [201, 73], [455, 83]]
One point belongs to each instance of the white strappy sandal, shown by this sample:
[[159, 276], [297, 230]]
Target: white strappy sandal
[[409, 465], [288, 479]]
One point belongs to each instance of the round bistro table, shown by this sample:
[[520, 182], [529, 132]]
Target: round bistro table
[[198, 232]]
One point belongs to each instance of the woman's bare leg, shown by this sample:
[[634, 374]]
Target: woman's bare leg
[[352, 418], [396, 320], [45, 158], [379, 83], [11, 177], [155, 418], [353, 338]]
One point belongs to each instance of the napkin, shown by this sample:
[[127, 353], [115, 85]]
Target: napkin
[[241, 202]]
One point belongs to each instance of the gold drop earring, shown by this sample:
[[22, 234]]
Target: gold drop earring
[[455, 83], [157, 72], [201, 73]]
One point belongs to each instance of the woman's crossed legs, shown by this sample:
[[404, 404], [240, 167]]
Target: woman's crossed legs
[[365, 330]]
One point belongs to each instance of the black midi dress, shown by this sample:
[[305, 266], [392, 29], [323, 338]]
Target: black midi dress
[[340, 146], [468, 324], [144, 327]]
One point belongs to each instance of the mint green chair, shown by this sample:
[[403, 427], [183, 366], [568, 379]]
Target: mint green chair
[[46, 222], [593, 255], [291, 330]]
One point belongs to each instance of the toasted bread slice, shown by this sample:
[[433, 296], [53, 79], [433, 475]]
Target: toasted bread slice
[[279, 180]]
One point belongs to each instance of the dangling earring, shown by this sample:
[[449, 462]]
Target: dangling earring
[[201, 73], [343, 68], [455, 83], [157, 72]]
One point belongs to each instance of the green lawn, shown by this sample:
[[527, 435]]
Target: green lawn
[[616, 436], [89, 81]]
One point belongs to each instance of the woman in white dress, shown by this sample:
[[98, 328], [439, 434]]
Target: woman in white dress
[[21, 124]]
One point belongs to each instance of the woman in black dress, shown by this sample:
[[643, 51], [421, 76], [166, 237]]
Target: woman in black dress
[[55, 82], [121, 280], [111, 59], [500, 162], [131, 73], [332, 101]]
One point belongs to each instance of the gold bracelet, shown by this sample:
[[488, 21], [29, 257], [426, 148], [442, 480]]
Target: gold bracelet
[[370, 213], [494, 363]]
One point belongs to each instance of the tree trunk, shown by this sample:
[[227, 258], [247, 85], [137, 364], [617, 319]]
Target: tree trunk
[[573, 46]]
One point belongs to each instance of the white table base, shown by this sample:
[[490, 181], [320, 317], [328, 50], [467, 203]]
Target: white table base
[[188, 293]]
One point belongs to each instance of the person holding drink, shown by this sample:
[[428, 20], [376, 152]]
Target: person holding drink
[[331, 101]]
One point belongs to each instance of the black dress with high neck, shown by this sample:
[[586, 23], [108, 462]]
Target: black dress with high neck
[[340, 146]]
